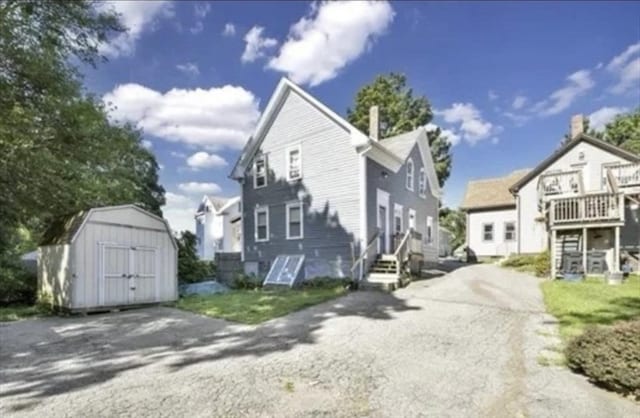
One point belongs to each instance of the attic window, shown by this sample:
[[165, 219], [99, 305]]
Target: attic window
[[422, 183], [260, 172], [410, 174]]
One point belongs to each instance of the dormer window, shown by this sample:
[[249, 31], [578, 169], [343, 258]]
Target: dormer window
[[294, 163], [260, 172], [422, 183], [410, 174]]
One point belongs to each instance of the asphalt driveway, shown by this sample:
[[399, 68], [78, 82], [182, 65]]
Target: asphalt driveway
[[465, 344]]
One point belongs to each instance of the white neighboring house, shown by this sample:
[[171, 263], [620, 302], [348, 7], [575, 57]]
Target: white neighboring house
[[219, 226], [581, 203]]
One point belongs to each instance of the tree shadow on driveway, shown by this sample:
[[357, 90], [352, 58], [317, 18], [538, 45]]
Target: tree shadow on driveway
[[46, 357]]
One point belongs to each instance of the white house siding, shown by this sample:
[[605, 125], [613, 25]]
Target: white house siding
[[329, 190], [230, 243], [498, 246], [54, 273], [395, 185], [533, 235]]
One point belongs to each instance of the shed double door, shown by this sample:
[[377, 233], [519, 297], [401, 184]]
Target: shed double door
[[129, 275]]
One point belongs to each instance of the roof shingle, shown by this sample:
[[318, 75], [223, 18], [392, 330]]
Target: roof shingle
[[494, 192]]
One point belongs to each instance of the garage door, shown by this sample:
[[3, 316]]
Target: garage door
[[129, 274]]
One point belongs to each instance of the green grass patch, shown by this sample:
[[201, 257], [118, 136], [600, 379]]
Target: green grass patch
[[256, 306], [591, 302], [16, 312]]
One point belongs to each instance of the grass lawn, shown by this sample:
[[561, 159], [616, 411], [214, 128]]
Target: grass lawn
[[16, 312], [255, 306], [592, 302]]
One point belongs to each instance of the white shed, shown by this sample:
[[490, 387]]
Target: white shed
[[108, 257]]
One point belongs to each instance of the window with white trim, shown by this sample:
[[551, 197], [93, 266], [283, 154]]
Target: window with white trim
[[422, 183], [262, 224], [410, 174], [295, 225], [429, 229], [487, 232], [294, 163], [260, 172], [509, 231], [397, 218]]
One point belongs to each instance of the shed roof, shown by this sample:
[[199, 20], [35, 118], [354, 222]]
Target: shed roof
[[491, 193]]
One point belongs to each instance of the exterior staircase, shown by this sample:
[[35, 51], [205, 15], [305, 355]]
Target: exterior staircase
[[383, 275]]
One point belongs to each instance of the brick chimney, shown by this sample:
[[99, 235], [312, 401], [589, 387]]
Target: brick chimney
[[577, 125], [374, 123]]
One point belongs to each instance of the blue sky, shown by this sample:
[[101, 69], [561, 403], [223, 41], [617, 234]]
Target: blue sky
[[503, 78]]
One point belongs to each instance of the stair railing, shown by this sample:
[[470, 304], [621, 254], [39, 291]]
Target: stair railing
[[402, 251], [362, 261]]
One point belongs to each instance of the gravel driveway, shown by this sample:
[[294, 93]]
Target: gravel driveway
[[465, 344]]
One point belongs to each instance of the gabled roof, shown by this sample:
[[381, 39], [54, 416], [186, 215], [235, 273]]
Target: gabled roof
[[491, 193], [566, 148], [277, 99], [401, 145], [220, 204], [65, 229]]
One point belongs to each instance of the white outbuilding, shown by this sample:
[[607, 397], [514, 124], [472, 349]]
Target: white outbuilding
[[108, 257]]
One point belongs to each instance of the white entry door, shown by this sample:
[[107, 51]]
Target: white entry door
[[382, 215], [128, 275]]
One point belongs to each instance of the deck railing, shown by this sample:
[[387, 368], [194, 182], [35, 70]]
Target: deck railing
[[561, 183], [587, 208], [626, 175], [368, 255]]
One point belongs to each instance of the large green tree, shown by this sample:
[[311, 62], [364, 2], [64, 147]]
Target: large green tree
[[400, 111], [624, 131], [60, 152], [456, 222]]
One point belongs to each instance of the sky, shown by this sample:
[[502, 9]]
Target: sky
[[503, 78]]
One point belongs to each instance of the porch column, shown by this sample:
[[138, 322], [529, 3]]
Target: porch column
[[552, 252], [616, 250], [584, 250]]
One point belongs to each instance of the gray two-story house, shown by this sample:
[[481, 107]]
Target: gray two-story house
[[321, 198]]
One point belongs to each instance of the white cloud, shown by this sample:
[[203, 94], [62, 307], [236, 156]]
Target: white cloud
[[179, 211], [518, 119], [147, 144], [138, 17], [629, 78], [471, 126], [452, 137], [256, 45], [577, 84], [190, 68], [205, 160], [495, 140], [199, 188], [519, 102], [602, 116], [331, 36], [492, 95], [178, 154], [200, 10], [229, 30], [213, 118], [619, 61]]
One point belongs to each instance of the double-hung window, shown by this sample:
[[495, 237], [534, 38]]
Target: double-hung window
[[509, 231], [295, 224], [487, 232], [262, 224], [294, 163], [260, 171], [397, 218], [422, 183], [410, 169]]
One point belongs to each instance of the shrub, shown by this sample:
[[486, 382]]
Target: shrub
[[519, 260], [326, 282], [609, 356], [542, 264], [246, 282], [17, 285]]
